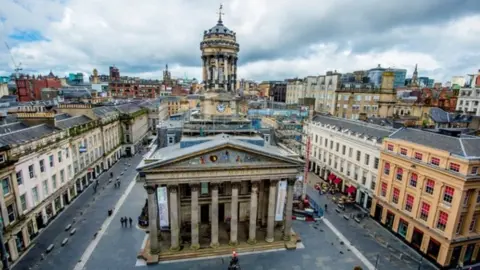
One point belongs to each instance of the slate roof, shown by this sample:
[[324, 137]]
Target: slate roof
[[104, 111], [11, 127], [463, 146], [168, 154], [27, 134], [62, 116], [128, 108], [370, 130], [440, 116], [72, 121]]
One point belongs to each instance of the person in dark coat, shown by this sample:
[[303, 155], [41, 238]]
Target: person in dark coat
[[130, 220], [122, 221]]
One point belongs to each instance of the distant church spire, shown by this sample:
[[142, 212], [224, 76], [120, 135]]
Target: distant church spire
[[415, 75]]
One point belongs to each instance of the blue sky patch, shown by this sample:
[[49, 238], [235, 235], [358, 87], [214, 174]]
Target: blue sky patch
[[27, 35]]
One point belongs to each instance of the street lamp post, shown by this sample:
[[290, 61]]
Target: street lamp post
[[2, 247]]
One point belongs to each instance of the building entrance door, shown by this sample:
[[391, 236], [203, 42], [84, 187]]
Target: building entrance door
[[204, 209]]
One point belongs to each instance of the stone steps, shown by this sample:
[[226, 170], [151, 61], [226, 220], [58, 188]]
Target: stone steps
[[222, 250]]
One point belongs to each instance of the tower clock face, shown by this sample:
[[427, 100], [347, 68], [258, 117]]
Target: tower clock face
[[221, 107]]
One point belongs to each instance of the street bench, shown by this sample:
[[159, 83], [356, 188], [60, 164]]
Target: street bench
[[69, 226], [73, 231]]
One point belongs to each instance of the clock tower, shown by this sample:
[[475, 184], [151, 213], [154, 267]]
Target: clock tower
[[219, 55]]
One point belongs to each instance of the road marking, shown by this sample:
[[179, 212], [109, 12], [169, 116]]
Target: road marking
[[141, 262], [91, 247], [347, 243]]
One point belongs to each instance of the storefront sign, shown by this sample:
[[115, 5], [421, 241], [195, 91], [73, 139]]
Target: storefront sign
[[162, 200], [281, 196]]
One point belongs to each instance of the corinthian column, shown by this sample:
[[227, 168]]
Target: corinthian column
[[271, 211], [152, 219], [194, 217], [252, 239], [214, 222], [174, 224], [288, 210], [234, 215], [225, 70]]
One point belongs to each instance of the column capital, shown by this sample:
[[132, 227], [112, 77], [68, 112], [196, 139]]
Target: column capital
[[173, 188], [255, 185], [291, 181], [150, 189], [273, 182], [195, 186], [214, 186], [236, 185]]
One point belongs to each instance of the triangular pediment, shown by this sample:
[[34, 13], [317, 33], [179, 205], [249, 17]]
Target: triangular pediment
[[228, 154]]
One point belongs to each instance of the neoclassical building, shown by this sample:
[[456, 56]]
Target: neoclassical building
[[214, 182]]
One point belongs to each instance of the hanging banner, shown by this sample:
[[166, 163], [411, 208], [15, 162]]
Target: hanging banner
[[162, 199], [281, 196]]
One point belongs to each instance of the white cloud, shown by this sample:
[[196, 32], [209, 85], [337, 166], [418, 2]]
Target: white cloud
[[142, 36]]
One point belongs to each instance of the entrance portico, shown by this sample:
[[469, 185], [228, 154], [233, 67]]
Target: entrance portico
[[229, 177]]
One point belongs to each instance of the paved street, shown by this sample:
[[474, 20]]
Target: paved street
[[89, 212], [119, 246], [372, 239]]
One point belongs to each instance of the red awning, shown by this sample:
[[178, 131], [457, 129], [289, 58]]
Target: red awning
[[331, 177], [351, 189], [337, 180]]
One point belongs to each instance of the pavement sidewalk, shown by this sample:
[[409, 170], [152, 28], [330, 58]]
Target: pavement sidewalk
[[377, 244]]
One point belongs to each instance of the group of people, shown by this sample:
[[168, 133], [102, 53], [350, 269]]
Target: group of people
[[125, 220], [117, 183]]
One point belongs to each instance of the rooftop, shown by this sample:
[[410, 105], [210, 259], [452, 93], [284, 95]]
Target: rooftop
[[27, 134], [463, 146], [367, 129], [170, 153], [72, 121]]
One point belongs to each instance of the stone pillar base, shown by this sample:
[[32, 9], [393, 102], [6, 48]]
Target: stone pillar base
[[195, 246], [175, 248], [214, 245], [154, 251], [269, 239], [252, 241], [287, 238], [233, 243]]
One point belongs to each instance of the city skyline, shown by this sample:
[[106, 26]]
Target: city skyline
[[281, 40]]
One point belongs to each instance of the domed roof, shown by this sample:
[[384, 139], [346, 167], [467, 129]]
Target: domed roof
[[220, 29]]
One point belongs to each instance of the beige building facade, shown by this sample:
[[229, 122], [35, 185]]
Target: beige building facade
[[428, 193]]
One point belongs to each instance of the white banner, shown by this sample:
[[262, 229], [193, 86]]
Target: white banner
[[162, 199], [282, 195]]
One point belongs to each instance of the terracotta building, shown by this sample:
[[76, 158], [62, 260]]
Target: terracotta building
[[428, 193], [30, 88], [134, 88]]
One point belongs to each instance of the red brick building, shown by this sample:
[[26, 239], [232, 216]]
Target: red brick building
[[134, 88], [30, 88]]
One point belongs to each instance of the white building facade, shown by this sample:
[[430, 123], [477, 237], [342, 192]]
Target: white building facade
[[346, 153]]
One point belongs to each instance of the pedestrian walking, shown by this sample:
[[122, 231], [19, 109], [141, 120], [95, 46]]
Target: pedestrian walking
[[122, 221], [130, 220], [326, 210]]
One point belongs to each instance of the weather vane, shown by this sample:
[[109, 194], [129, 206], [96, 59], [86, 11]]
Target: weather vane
[[220, 13]]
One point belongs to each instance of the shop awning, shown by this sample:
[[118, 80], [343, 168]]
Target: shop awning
[[351, 189], [337, 180], [331, 177]]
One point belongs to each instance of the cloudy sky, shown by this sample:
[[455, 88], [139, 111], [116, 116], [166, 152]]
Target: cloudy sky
[[278, 38]]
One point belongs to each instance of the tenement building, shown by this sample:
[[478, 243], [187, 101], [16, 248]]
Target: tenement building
[[347, 153], [469, 97], [214, 182], [50, 154], [429, 193]]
